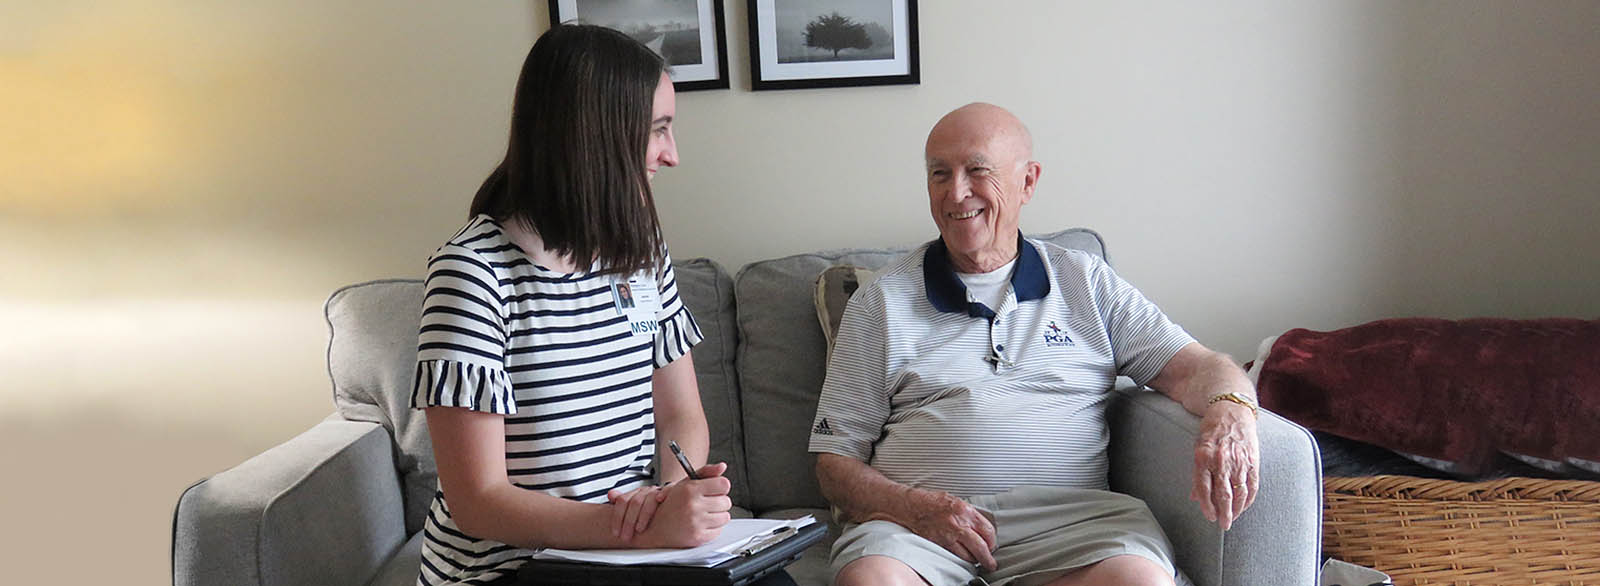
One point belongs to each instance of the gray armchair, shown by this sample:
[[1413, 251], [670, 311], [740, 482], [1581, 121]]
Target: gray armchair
[[1277, 541], [343, 503]]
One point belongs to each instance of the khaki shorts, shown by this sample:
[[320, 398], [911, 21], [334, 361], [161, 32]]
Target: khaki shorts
[[1042, 533]]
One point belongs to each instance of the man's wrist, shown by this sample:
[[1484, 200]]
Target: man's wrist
[[1236, 399], [908, 501]]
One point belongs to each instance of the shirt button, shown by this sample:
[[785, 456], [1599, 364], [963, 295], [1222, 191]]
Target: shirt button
[[1000, 348]]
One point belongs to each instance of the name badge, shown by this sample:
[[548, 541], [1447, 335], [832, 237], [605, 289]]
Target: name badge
[[638, 300]]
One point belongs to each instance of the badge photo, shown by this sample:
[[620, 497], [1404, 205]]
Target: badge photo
[[638, 301], [622, 295]]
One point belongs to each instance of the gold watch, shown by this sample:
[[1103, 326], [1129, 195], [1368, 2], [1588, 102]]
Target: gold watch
[[1240, 398]]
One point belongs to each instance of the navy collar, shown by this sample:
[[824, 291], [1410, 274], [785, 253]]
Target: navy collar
[[948, 294]]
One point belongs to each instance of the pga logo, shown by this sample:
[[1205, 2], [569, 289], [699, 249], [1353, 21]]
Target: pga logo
[[1055, 336]]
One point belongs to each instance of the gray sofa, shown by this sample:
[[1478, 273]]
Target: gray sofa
[[343, 502]]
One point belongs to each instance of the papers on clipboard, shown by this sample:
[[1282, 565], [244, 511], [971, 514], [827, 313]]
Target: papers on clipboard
[[739, 537]]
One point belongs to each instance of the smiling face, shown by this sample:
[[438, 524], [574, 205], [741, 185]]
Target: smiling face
[[662, 150], [979, 175]]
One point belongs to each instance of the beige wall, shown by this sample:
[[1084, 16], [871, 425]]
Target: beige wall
[[181, 184]]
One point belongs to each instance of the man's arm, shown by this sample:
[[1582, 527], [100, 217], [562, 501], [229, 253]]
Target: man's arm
[[863, 494], [1227, 453]]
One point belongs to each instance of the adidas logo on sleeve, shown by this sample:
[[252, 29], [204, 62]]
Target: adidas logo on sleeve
[[822, 428]]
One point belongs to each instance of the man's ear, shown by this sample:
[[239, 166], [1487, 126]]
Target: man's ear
[[1030, 179]]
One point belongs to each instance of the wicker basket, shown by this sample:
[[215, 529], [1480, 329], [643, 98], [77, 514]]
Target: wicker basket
[[1423, 531]]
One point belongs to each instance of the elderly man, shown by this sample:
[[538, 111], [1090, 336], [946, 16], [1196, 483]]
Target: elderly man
[[961, 431]]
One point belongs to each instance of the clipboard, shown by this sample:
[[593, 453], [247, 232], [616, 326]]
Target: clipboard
[[739, 571]]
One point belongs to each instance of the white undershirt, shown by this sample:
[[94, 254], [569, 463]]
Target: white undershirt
[[988, 288]]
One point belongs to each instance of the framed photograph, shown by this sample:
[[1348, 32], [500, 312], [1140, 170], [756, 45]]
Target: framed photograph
[[687, 33], [832, 43]]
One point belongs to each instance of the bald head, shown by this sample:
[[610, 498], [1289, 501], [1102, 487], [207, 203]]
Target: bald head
[[980, 173], [981, 123]]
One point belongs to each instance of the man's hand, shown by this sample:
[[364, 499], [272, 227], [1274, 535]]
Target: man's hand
[[952, 523], [1227, 455], [691, 513], [1227, 463], [863, 494]]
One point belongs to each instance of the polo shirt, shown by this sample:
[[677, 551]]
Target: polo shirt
[[937, 391]]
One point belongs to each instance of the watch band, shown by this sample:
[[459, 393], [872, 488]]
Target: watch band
[[1233, 397]]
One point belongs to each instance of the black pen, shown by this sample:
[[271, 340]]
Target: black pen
[[682, 460]]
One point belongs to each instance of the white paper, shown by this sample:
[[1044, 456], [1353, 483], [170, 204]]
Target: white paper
[[1342, 573], [736, 535]]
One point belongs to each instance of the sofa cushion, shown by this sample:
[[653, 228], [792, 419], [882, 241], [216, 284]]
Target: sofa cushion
[[782, 358], [707, 291], [372, 358], [1448, 394], [401, 569]]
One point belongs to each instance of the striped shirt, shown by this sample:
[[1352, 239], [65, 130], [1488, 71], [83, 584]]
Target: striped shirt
[[938, 391], [557, 355]]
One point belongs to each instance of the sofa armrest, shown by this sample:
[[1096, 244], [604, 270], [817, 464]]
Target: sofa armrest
[[1277, 541], [321, 508]]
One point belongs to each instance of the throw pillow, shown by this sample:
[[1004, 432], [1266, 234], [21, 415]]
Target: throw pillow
[[834, 287], [372, 359], [1451, 395]]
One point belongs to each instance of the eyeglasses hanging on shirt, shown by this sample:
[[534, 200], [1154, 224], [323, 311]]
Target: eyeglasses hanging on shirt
[[997, 357]]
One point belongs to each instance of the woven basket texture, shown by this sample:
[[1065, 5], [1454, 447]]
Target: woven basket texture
[[1426, 531]]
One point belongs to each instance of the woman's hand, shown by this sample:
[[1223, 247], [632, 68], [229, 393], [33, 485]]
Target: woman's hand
[[691, 513], [632, 511]]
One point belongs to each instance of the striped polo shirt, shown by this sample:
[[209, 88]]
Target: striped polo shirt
[[938, 391], [558, 355]]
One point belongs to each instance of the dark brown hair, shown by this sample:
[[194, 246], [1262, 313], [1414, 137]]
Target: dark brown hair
[[574, 170]]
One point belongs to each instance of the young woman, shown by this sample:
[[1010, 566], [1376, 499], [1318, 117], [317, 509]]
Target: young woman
[[547, 396]]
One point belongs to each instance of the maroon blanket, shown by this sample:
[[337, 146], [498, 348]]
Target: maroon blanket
[[1456, 391]]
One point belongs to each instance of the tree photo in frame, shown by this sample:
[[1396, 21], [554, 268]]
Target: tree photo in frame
[[832, 43], [688, 34]]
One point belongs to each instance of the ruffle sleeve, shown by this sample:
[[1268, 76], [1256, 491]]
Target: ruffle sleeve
[[676, 336], [449, 383], [678, 332], [462, 341]]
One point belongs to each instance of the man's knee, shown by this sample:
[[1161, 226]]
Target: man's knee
[[876, 569], [1122, 569]]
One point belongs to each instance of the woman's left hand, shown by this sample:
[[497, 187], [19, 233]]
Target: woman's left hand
[[632, 511]]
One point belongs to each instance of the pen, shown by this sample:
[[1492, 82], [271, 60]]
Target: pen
[[682, 460], [760, 543]]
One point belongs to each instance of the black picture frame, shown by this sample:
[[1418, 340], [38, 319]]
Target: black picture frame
[[783, 56], [686, 77]]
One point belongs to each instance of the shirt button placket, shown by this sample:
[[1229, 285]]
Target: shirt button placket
[[997, 343]]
